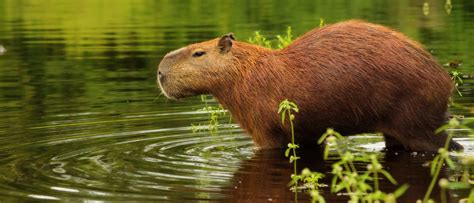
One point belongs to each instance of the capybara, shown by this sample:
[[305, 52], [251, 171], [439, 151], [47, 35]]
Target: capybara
[[353, 76]]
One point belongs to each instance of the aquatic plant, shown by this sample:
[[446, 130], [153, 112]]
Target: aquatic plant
[[457, 79], [357, 183], [443, 158], [310, 179], [215, 114], [286, 109]]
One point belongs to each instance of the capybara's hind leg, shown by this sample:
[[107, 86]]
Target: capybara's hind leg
[[418, 141]]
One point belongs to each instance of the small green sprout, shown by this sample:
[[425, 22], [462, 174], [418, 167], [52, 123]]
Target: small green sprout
[[321, 22]]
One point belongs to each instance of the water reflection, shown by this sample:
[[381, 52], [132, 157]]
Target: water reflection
[[261, 177]]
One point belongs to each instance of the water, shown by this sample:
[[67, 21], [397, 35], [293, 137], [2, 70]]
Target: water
[[82, 119]]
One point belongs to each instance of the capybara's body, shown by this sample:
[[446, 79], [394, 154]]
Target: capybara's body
[[354, 76]]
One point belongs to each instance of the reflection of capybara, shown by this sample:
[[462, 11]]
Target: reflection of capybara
[[261, 178], [352, 76]]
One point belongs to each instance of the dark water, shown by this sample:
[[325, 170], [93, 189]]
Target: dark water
[[81, 118]]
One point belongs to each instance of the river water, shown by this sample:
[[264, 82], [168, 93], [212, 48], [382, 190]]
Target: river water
[[82, 119]]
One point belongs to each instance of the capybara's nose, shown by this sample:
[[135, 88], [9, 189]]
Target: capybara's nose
[[163, 69], [168, 61], [160, 76], [161, 73]]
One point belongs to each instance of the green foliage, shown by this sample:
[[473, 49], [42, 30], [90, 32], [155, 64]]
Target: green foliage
[[284, 41], [215, 113], [281, 41], [443, 158], [260, 40], [311, 182], [345, 175], [357, 183]]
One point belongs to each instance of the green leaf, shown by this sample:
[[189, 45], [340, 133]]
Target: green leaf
[[338, 135], [280, 108], [294, 180], [293, 158], [339, 187], [287, 152], [321, 199], [450, 162], [388, 176], [333, 183], [401, 190], [459, 185]]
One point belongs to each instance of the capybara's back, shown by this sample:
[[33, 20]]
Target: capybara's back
[[353, 76], [363, 77]]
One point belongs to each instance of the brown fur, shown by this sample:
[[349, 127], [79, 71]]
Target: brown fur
[[353, 76]]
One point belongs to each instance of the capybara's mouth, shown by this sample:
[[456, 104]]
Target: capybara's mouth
[[170, 93], [160, 80]]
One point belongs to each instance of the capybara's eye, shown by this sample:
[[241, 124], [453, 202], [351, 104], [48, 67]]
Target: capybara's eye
[[198, 53]]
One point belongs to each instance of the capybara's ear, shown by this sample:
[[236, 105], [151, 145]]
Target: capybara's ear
[[225, 43]]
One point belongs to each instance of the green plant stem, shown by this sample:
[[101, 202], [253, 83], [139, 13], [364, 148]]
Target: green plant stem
[[348, 187], [433, 181], [448, 140], [438, 169], [376, 180], [294, 152], [352, 166], [292, 142], [443, 195], [346, 166]]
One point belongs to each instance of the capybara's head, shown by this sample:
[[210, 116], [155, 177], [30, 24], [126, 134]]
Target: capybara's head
[[196, 69]]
